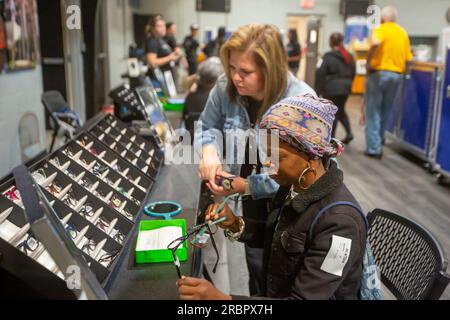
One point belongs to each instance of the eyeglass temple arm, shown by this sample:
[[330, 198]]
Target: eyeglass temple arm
[[176, 261], [215, 249]]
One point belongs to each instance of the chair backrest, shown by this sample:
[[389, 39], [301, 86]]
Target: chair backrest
[[411, 260], [30, 142], [53, 101]]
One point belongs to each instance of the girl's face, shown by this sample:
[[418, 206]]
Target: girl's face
[[291, 164], [246, 75]]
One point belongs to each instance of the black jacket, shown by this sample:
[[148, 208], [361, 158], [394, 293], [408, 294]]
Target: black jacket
[[292, 265], [335, 77], [193, 107]]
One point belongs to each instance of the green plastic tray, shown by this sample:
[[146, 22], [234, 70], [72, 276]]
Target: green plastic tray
[[155, 256], [173, 107]]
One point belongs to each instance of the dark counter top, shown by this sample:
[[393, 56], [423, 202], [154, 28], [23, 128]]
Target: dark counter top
[[157, 281]]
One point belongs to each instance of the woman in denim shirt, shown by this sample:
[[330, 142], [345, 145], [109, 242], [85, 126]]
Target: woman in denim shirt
[[256, 76]]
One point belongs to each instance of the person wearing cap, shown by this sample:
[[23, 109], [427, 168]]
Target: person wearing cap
[[327, 265], [190, 46]]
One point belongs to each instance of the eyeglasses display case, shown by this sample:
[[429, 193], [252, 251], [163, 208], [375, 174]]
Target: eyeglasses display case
[[98, 185]]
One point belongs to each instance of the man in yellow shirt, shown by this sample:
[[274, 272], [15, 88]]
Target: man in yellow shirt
[[386, 62]]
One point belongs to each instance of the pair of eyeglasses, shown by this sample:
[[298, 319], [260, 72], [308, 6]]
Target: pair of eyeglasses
[[39, 176], [70, 199], [54, 188], [29, 245], [13, 194], [71, 174], [99, 169], [119, 236], [110, 182], [102, 225], [109, 258], [68, 152], [135, 201], [86, 183], [117, 168], [127, 214], [73, 232], [115, 202], [196, 232], [121, 190], [84, 163], [87, 211], [100, 195], [89, 247], [55, 162], [83, 142]]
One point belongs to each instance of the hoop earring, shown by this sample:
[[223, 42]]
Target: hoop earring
[[302, 177]]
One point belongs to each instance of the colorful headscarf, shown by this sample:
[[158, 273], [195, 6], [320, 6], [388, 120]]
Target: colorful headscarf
[[306, 123]]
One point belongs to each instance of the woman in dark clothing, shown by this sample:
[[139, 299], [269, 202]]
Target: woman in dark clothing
[[159, 53], [327, 265], [294, 52], [334, 80]]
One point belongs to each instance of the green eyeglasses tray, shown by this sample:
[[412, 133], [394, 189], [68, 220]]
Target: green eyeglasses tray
[[155, 256], [174, 107]]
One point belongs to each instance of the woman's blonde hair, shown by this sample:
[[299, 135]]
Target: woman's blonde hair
[[267, 48]]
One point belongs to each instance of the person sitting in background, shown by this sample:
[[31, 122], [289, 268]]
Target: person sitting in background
[[212, 49], [207, 75], [190, 46], [159, 53], [386, 62], [295, 266], [294, 52], [334, 80]]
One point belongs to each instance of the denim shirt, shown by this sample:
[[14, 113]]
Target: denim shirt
[[222, 115]]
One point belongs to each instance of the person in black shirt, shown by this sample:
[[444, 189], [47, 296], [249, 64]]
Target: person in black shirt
[[294, 51], [170, 37], [190, 47], [213, 48], [334, 80], [159, 53]]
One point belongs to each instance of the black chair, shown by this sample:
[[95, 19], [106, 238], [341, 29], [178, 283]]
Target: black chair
[[412, 263], [53, 102]]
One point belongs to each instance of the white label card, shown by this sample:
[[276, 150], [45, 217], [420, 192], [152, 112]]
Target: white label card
[[337, 256], [158, 239]]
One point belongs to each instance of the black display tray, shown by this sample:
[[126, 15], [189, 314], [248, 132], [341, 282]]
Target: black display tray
[[94, 175]]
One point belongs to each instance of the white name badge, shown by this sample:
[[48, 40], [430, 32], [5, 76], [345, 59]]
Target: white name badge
[[337, 256]]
